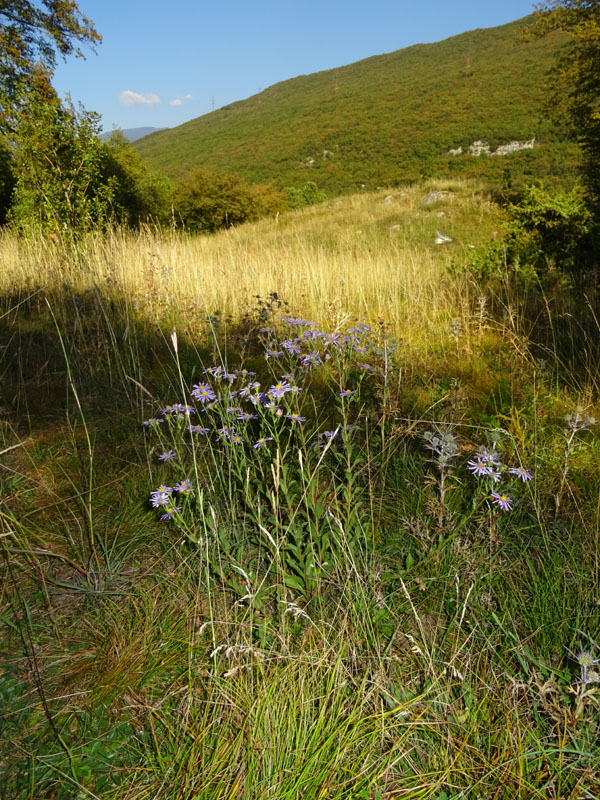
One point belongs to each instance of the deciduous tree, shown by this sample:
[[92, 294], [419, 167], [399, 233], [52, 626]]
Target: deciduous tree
[[32, 35], [578, 74]]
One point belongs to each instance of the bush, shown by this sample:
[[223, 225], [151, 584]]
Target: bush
[[550, 231], [207, 199], [307, 195]]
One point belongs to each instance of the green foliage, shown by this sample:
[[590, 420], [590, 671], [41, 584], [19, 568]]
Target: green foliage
[[139, 195], [576, 78], [59, 163], [550, 230], [387, 120], [307, 195], [7, 180], [31, 36], [207, 199]]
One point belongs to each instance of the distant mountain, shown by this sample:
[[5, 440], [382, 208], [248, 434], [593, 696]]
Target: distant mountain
[[132, 133], [390, 118]]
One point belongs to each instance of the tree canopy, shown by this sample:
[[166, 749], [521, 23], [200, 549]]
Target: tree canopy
[[31, 38], [578, 74]]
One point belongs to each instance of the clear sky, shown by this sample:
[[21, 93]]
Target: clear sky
[[163, 63]]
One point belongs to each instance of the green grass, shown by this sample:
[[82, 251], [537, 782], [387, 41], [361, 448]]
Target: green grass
[[387, 120], [317, 622]]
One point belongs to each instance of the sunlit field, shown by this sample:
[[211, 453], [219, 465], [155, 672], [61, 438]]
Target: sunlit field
[[308, 508]]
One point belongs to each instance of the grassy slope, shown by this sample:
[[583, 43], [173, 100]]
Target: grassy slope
[[432, 666], [383, 119]]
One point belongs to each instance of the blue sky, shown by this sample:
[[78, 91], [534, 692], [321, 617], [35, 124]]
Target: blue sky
[[163, 63]]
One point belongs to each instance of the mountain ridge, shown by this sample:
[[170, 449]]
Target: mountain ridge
[[389, 118]]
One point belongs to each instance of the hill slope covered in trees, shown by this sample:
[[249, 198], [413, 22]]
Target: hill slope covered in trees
[[387, 119]]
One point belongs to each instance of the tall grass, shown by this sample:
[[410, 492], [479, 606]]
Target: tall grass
[[337, 614]]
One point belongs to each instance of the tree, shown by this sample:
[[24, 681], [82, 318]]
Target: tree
[[207, 199], [577, 74], [60, 168], [31, 37], [140, 195]]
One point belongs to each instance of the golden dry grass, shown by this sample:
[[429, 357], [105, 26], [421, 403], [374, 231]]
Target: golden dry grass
[[370, 256]]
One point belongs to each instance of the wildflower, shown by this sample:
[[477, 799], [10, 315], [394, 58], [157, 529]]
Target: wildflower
[[161, 489], [203, 392], [480, 467], [160, 499], [366, 367], [198, 429], [232, 410], [347, 393], [185, 409], [270, 353], [170, 512], [279, 389], [168, 455], [295, 417], [332, 339], [244, 373], [491, 456], [226, 431], [502, 500], [292, 345], [168, 410], [361, 349], [184, 486], [262, 441], [311, 359], [521, 473], [237, 439], [289, 376], [245, 416], [278, 412], [245, 392], [154, 421]]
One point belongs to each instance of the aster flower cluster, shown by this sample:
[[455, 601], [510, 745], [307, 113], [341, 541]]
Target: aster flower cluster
[[311, 347], [230, 407], [487, 464]]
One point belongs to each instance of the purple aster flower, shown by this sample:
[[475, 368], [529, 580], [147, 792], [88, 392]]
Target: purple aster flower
[[184, 486], [185, 409], [366, 367], [265, 330], [246, 416], [170, 512], [279, 389], [153, 421], [160, 499], [491, 456], [270, 352], [295, 417], [521, 473], [347, 393], [502, 500], [216, 372], [226, 431], [168, 455], [232, 410], [331, 340], [198, 429], [331, 434], [203, 392], [480, 467], [289, 376], [292, 345], [247, 389], [262, 441], [311, 359], [237, 439], [278, 412], [161, 489], [271, 405], [361, 349]]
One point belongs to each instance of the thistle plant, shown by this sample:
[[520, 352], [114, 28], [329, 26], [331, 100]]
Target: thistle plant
[[444, 446], [575, 423], [588, 661]]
